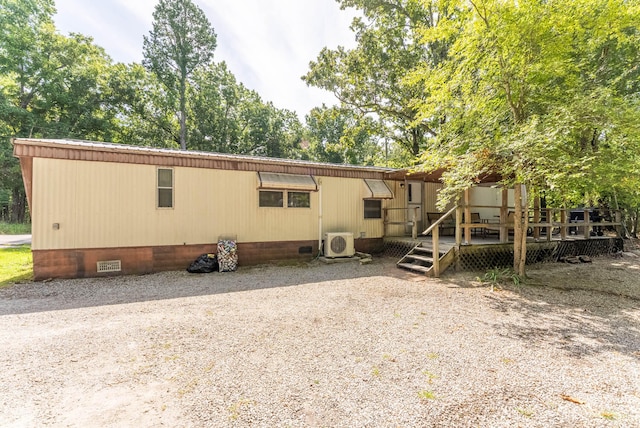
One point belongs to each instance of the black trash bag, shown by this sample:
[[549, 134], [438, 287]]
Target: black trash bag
[[204, 264]]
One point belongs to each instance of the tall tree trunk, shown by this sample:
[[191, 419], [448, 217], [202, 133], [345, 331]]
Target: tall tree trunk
[[520, 224], [18, 206], [415, 140], [183, 114], [525, 228]]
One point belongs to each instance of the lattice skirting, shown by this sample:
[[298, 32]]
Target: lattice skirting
[[398, 249], [489, 256], [484, 257]]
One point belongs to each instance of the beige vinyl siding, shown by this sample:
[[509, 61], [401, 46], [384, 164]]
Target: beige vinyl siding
[[343, 208], [104, 204], [397, 215], [94, 203], [431, 198]]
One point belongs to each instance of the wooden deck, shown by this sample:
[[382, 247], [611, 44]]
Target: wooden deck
[[487, 252], [447, 242], [485, 244]]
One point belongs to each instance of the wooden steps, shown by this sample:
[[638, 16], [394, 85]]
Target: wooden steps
[[415, 267], [420, 260]]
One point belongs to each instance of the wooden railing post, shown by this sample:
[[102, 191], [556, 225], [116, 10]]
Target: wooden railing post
[[536, 217], [458, 223], [414, 226], [435, 234], [467, 217], [386, 221], [504, 215], [619, 229], [550, 215], [563, 224], [587, 226]]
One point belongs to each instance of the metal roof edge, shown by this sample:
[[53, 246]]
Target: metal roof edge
[[125, 148]]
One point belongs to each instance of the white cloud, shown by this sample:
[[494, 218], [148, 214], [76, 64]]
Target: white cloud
[[266, 44]]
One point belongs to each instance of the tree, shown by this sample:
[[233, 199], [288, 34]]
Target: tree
[[50, 86], [543, 92], [371, 77], [144, 116], [181, 40], [229, 118], [340, 136]]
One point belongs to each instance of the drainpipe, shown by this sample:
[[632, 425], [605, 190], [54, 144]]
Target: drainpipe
[[319, 216]]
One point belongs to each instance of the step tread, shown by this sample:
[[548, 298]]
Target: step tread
[[419, 257], [428, 250], [419, 268]]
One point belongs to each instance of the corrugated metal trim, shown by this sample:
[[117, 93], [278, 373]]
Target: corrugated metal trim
[[120, 153], [435, 176], [270, 180], [377, 189]]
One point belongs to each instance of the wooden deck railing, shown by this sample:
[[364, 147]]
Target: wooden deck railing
[[552, 220], [408, 218], [434, 229]]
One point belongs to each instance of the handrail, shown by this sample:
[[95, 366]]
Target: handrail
[[613, 218], [413, 222], [439, 221], [435, 240]]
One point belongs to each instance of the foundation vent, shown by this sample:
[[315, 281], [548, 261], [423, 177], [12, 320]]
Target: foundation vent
[[109, 266]]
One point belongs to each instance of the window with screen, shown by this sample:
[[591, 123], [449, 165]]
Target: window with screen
[[270, 198], [298, 200], [372, 208], [165, 188]]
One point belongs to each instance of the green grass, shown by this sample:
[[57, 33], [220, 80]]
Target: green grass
[[15, 228], [16, 264]]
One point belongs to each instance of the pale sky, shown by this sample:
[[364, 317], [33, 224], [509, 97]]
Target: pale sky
[[267, 44]]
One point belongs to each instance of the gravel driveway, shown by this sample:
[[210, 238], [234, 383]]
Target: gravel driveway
[[342, 345]]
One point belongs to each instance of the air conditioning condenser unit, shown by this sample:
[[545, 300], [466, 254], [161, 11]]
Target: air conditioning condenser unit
[[338, 245]]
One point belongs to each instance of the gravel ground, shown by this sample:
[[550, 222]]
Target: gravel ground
[[341, 345]]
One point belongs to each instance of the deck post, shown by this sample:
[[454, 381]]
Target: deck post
[[563, 224], [467, 217], [619, 229], [458, 225], [536, 217], [504, 215], [550, 215], [414, 220], [587, 227], [386, 221], [435, 234]]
